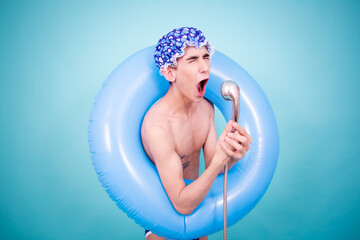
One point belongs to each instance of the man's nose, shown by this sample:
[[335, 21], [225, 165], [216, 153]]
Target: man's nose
[[205, 66]]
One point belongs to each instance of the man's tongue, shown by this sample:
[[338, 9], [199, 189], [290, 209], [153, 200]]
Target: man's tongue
[[200, 87]]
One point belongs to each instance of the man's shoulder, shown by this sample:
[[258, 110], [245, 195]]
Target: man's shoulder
[[155, 119], [156, 112], [155, 129]]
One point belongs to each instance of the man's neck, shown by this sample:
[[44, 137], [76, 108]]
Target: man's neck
[[178, 103]]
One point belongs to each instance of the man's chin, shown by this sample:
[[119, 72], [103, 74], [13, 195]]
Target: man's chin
[[199, 98]]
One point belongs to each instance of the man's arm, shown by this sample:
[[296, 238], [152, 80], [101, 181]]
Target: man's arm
[[184, 198]]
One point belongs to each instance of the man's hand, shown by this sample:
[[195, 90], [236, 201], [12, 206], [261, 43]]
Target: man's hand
[[237, 142]]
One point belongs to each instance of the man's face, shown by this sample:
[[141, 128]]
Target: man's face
[[192, 73]]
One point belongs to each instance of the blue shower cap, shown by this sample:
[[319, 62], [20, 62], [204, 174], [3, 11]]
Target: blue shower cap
[[172, 46]]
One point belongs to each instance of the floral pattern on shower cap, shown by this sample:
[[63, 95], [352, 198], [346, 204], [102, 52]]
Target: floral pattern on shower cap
[[172, 46]]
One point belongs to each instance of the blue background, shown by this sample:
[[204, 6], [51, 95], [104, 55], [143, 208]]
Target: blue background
[[54, 56]]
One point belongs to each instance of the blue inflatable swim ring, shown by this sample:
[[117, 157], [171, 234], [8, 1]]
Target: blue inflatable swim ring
[[132, 181]]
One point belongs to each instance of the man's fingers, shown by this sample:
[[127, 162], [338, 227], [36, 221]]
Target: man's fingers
[[237, 137], [229, 126], [244, 141], [239, 154], [235, 144], [226, 149], [233, 153], [241, 131], [236, 141]]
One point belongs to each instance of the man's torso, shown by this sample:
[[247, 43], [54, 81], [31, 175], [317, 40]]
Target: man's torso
[[189, 133]]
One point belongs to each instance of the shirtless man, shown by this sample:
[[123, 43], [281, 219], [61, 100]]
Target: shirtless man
[[181, 123]]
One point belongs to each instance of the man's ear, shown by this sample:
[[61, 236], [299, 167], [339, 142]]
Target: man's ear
[[169, 74]]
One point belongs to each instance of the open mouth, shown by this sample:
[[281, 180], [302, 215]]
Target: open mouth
[[201, 86]]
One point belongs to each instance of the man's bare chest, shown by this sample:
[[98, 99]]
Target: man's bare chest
[[189, 138]]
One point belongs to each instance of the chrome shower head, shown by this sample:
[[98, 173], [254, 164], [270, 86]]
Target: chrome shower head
[[230, 91]]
